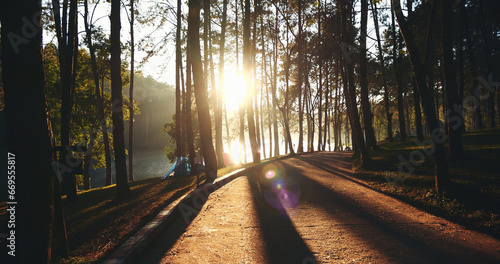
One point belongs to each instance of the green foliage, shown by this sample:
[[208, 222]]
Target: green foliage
[[85, 123]]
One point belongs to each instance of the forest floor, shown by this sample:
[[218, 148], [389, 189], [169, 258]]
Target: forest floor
[[473, 198], [97, 223], [310, 209]]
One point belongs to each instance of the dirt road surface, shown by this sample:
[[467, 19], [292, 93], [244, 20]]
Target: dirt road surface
[[309, 209]]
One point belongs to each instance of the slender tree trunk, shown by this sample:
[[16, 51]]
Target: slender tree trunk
[[247, 69], [388, 113], [274, 88], [299, 41], [99, 100], [86, 161], [327, 107], [189, 121], [365, 101], [131, 97], [67, 39], [350, 88], [461, 62], [265, 84], [485, 33], [286, 107], [178, 57], [30, 139], [122, 188], [399, 80], [450, 82], [426, 95], [418, 112], [201, 92], [473, 68], [219, 146], [242, 158], [320, 83]]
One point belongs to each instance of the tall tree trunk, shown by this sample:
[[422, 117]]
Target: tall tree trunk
[[426, 95], [461, 62], [219, 146], [450, 82], [86, 161], [30, 139], [397, 62], [98, 91], [178, 58], [350, 88], [217, 101], [265, 84], [320, 82], [473, 68], [365, 101], [201, 92], [485, 33], [274, 88], [188, 121], [131, 96], [388, 113], [242, 157], [299, 41], [418, 112], [327, 107], [247, 69], [286, 105], [122, 189], [68, 47]]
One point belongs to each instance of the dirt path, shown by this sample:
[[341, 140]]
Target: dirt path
[[308, 209]]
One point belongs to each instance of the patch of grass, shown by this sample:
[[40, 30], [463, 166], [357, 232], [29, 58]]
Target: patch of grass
[[473, 198]]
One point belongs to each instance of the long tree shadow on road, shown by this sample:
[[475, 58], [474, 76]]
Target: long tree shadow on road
[[415, 241], [283, 244]]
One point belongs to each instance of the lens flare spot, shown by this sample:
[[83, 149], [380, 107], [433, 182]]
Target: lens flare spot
[[270, 174]]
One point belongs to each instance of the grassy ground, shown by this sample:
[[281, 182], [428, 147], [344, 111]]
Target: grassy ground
[[97, 223], [473, 198]]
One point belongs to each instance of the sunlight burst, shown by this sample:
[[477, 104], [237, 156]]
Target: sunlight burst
[[235, 89]]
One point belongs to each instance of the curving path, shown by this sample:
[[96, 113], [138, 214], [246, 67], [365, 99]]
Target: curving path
[[308, 209]]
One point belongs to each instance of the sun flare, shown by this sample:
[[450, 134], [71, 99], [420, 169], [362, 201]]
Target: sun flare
[[235, 89]]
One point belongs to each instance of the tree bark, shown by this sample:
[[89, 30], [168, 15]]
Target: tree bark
[[131, 97], [99, 100], [219, 146], [426, 95], [68, 47], [418, 112], [350, 88], [397, 62], [299, 78], [274, 88], [485, 33], [178, 58], [189, 121], [453, 115], [247, 71], [365, 101], [30, 139], [388, 113], [122, 189], [201, 93]]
